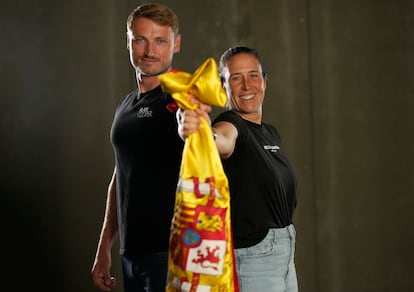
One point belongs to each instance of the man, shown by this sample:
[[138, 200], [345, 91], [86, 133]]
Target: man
[[148, 151]]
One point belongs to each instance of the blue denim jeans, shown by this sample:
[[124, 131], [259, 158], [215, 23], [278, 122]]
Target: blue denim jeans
[[145, 273], [269, 265]]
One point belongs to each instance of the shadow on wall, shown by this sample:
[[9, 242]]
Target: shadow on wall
[[29, 207], [30, 249]]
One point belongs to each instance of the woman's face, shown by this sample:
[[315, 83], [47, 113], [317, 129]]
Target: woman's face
[[245, 84]]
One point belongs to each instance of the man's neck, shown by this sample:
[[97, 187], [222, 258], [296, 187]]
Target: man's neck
[[147, 83]]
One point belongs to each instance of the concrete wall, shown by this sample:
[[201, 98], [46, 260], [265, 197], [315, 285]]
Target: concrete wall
[[341, 86]]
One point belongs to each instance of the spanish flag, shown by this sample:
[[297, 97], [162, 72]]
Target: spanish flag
[[201, 256]]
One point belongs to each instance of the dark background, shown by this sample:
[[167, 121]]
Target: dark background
[[340, 91]]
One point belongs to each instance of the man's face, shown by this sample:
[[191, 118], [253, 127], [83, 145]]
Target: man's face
[[151, 46]]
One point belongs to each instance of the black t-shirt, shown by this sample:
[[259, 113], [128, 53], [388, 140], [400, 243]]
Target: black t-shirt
[[148, 154], [262, 182]]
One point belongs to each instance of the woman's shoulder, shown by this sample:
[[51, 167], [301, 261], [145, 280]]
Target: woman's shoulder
[[273, 130]]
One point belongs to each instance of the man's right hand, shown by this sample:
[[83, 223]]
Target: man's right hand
[[100, 272]]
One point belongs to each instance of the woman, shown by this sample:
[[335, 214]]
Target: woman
[[261, 180]]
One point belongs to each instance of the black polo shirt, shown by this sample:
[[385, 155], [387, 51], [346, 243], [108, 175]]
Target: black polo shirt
[[148, 154], [262, 182]]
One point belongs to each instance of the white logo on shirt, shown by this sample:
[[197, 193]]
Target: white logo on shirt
[[272, 148], [144, 112]]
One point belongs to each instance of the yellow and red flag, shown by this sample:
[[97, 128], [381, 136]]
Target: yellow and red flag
[[201, 254]]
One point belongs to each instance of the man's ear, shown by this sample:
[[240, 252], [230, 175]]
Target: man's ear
[[177, 44]]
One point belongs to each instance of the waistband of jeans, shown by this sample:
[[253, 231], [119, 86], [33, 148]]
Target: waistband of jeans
[[285, 232]]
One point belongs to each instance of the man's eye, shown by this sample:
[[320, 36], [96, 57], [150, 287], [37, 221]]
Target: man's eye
[[138, 40]]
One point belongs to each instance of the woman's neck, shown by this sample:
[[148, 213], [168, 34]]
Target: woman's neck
[[254, 117]]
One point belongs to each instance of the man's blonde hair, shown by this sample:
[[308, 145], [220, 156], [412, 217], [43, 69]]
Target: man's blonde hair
[[159, 13]]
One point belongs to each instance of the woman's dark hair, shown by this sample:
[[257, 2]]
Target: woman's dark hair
[[229, 53]]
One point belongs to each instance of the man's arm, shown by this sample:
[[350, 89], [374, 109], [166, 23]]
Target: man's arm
[[109, 233]]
